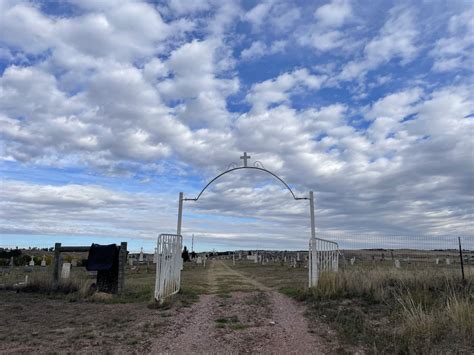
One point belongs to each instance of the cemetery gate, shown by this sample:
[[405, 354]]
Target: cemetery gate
[[323, 257], [315, 253], [168, 265]]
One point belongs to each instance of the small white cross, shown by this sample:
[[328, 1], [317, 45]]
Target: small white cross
[[245, 157]]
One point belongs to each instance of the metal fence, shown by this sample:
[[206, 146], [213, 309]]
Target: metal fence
[[168, 265]]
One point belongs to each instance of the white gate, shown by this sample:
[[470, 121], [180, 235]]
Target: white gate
[[323, 256], [168, 265]]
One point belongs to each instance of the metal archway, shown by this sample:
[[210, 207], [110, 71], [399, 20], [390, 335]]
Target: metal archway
[[313, 265], [247, 167]]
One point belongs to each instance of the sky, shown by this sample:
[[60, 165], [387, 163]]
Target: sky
[[110, 108]]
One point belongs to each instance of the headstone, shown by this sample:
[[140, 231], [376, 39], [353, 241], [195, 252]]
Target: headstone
[[448, 261], [74, 262], [43, 261], [130, 262], [397, 263], [353, 259], [66, 271], [256, 258], [297, 256], [32, 262], [140, 258], [437, 261], [11, 262], [199, 260], [204, 261]]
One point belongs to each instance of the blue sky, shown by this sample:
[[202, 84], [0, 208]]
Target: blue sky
[[109, 109]]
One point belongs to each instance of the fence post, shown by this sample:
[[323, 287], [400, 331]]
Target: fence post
[[57, 256], [122, 263], [462, 261]]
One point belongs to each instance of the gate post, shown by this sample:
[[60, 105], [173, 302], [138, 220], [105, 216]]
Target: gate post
[[313, 262], [56, 265], [180, 213]]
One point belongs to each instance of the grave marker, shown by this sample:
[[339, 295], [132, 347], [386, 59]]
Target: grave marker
[[66, 271], [397, 263]]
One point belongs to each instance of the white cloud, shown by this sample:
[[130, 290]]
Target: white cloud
[[279, 89], [256, 16], [259, 49], [454, 52], [334, 14], [396, 39]]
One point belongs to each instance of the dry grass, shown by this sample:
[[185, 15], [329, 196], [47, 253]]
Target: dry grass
[[417, 311], [460, 310]]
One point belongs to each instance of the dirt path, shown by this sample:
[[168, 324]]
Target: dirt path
[[260, 320]]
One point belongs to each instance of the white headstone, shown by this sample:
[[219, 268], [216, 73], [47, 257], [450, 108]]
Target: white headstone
[[448, 261], [43, 261], [353, 259], [256, 258], [198, 260], [130, 261], [437, 261], [297, 256], [66, 271], [397, 264], [32, 262], [140, 258]]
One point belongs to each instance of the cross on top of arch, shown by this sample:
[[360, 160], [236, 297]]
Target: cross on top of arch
[[245, 157]]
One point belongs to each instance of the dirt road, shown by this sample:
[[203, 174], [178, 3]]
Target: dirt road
[[237, 315], [259, 321]]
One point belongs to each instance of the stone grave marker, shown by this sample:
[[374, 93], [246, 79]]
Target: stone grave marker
[[198, 260], [66, 271], [437, 261], [448, 261], [397, 263], [32, 262], [353, 259], [43, 261]]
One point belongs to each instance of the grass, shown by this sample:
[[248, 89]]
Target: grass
[[390, 310], [420, 308], [231, 322]]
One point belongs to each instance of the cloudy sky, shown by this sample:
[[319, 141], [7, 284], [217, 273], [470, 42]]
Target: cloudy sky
[[110, 108]]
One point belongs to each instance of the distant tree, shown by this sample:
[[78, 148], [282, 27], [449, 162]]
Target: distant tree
[[185, 254], [22, 260]]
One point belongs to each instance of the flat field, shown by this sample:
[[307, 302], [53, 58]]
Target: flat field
[[371, 306]]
